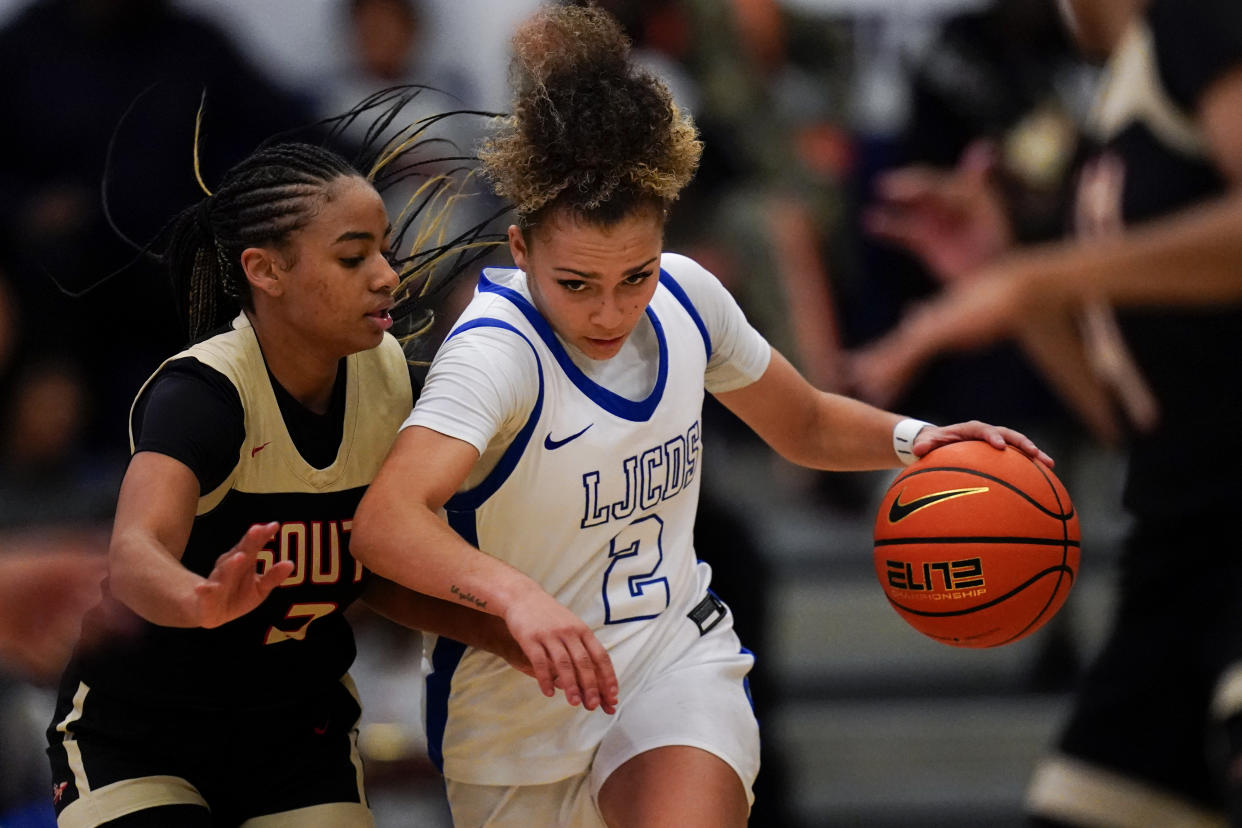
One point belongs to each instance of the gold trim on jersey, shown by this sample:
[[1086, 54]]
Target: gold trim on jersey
[[1132, 91], [268, 460], [126, 797], [332, 815], [354, 755], [73, 753], [1082, 793], [1227, 698]]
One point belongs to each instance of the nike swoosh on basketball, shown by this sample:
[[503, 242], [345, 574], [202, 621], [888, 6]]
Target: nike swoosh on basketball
[[258, 449], [552, 445], [900, 511]]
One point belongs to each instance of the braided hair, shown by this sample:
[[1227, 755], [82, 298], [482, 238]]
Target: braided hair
[[589, 132], [262, 201], [273, 193]]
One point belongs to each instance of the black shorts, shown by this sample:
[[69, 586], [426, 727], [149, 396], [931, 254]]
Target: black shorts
[[1144, 708], [112, 757]]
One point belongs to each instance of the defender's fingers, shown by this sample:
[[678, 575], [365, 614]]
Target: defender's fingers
[[230, 566], [256, 537], [271, 579]]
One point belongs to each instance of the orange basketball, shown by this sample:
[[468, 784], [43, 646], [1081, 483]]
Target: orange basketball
[[976, 547]]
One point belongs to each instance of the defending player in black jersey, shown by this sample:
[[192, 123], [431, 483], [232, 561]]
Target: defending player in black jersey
[[1155, 737], [233, 704]]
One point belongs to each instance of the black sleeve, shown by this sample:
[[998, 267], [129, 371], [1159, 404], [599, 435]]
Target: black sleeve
[[1196, 43], [191, 413], [417, 374]]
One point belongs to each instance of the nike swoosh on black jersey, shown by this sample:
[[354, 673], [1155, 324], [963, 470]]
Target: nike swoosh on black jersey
[[551, 444], [901, 511]]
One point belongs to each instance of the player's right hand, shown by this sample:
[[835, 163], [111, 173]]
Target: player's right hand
[[563, 652], [234, 588]]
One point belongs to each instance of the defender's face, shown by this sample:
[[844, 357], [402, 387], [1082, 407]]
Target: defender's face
[[339, 283], [591, 283]]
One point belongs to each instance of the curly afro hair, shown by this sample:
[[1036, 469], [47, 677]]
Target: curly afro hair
[[589, 132]]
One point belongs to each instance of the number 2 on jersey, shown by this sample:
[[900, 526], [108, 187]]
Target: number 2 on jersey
[[632, 588]]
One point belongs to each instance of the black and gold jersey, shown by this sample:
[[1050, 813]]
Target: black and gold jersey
[[1146, 117], [298, 639]]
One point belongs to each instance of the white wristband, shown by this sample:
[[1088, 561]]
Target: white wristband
[[903, 439]]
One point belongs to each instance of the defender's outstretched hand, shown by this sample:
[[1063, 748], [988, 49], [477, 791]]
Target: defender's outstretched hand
[[234, 588]]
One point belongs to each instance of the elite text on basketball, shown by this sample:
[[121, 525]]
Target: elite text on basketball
[[951, 575]]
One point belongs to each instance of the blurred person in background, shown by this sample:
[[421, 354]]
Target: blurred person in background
[[767, 204], [47, 477], [998, 98], [72, 68], [1155, 734], [995, 93], [385, 45], [51, 564]]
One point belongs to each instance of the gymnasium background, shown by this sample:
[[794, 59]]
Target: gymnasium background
[[801, 103]]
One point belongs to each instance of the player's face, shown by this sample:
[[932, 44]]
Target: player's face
[[591, 283], [338, 284]]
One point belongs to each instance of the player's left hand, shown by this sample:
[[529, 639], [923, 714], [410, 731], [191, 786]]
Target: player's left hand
[[233, 588], [932, 437]]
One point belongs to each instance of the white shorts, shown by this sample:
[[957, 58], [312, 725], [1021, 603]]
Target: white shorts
[[700, 700]]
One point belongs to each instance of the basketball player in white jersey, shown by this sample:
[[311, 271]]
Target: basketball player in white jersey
[[559, 431]]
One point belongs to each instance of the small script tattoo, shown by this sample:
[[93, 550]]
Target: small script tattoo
[[468, 597]]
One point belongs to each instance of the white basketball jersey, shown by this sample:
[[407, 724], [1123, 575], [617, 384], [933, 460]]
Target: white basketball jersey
[[595, 499]]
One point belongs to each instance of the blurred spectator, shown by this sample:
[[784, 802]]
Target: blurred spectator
[[385, 47], [995, 92], [386, 53], [71, 69], [661, 35], [767, 199], [46, 477], [995, 128], [473, 36]]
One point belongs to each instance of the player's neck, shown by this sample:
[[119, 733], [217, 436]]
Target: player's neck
[[306, 374]]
